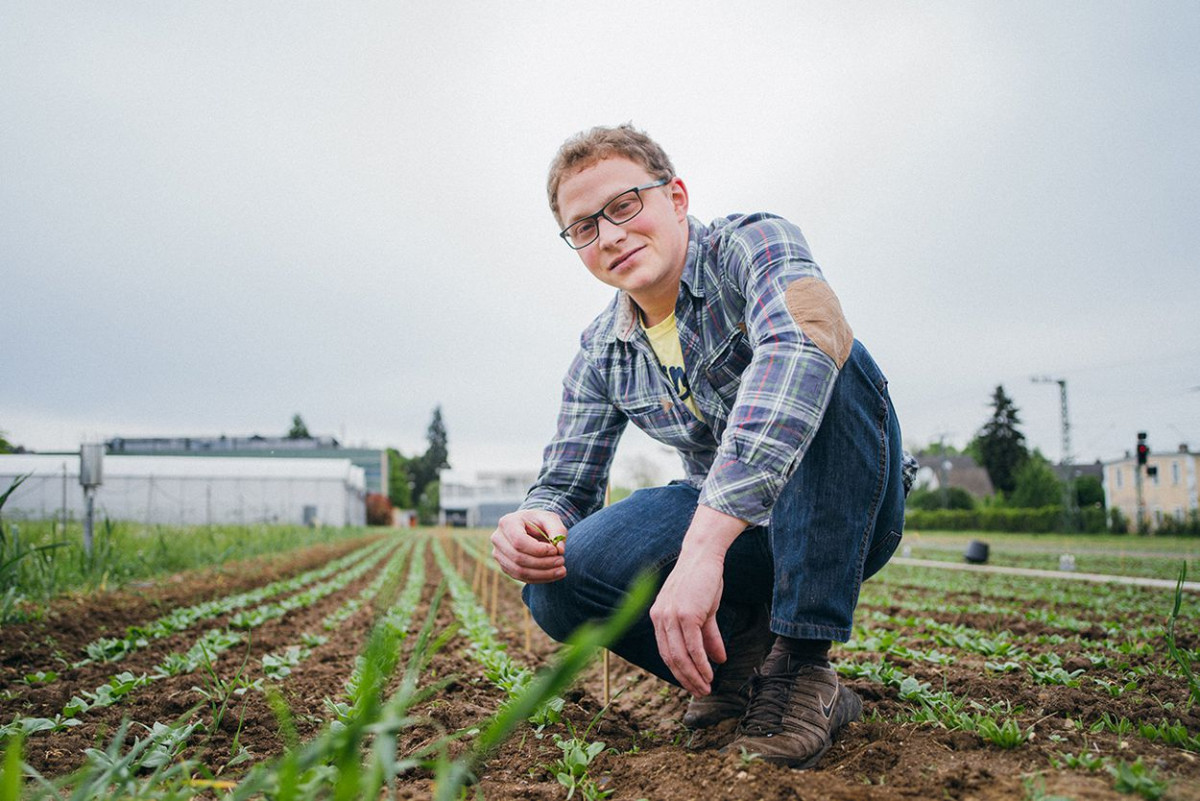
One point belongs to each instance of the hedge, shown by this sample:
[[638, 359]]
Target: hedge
[[1043, 520]]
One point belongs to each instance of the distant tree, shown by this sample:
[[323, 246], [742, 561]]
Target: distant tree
[[430, 503], [437, 454], [298, 430], [379, 510], [1036, 485], [974, 451], [1089, 492], [399, 479], [425, 468], [6, 446], [1001, 444], [939, 448], [930, 499]]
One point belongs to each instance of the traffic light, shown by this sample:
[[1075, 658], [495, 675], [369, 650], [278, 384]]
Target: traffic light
[[1143, 450]]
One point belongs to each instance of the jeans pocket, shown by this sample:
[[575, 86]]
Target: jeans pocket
[[880, 553]]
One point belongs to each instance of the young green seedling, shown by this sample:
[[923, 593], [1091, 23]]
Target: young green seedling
[[555, 540]]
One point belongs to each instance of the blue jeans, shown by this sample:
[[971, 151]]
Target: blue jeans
[[837, 522]]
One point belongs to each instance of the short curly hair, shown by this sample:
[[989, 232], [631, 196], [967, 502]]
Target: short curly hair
[[602, 142]]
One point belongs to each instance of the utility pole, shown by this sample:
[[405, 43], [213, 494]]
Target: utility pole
[[64, 500], [1070, 513], [91, 475]]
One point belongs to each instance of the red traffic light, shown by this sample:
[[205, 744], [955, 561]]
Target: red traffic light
[[1143, 450]]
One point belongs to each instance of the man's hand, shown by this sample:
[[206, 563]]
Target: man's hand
[[528, 545], [685, 621], [685, 612]]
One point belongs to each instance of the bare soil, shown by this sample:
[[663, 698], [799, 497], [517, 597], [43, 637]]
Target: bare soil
[[650, 754]]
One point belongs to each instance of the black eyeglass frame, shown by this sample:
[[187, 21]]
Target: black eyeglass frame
[[637, 191]]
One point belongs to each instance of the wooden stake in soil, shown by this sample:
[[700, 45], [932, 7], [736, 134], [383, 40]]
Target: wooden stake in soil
[[477, 578], [495, 593], [528, 631], [607, 693]]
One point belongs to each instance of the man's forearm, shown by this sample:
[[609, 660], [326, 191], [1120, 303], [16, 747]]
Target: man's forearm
[[710, 534]]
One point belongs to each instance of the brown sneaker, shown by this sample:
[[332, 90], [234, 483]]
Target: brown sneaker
[[731, 681], [794, 714]]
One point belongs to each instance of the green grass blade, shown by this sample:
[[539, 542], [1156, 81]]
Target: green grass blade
[[10, 775], [580, 648]]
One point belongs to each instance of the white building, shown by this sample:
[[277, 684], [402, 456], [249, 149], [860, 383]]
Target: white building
[[184, 490], [481, 499], [1170, 486]]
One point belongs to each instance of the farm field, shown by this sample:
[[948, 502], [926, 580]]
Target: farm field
[[976, 686], [1121, 555]]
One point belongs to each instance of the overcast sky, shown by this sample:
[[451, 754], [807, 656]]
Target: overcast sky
[[216, 215]]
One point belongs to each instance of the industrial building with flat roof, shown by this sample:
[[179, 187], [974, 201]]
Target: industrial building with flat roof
[[373, 461]]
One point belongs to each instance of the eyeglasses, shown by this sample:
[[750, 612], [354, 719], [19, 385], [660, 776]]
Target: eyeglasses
[[618, 211]]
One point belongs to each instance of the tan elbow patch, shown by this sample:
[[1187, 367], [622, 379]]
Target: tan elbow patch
[[817, 311]]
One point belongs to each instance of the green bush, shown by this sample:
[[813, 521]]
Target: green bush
[[1190, 525], [992, 518], [930, 499]]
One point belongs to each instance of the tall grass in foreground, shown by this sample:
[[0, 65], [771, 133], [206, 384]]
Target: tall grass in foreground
[[1181, 657], [39, 560], [355, 757]]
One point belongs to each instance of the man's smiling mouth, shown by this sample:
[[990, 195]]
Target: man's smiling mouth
[[624, 258]]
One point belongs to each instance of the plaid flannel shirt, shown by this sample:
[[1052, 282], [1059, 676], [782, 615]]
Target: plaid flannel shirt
[[761, 385]]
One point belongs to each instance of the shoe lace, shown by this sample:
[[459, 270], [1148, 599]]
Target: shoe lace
[[768, 701]]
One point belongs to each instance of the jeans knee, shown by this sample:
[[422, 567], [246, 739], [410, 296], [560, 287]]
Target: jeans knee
[[550, 609]]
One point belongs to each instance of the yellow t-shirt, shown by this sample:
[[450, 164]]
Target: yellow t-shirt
[[664, 338]]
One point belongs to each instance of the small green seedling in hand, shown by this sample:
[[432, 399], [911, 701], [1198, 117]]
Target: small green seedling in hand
[[555, 540]]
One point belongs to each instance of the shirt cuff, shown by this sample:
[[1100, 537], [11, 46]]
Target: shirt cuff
[[743, 491], [546, 502]]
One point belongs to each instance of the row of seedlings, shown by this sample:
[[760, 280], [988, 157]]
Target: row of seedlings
[[486, 648], [203, 652], [277, 666]]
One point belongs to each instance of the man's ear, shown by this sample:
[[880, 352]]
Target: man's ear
[[679, 198]]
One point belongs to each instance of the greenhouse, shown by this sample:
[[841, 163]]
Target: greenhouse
[[189, 490]]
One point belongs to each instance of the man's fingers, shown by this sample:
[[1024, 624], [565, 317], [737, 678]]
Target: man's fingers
[[519, 541], [548, 528], [680, 659], [524, 557], [714, 646], [539, 573], [697, 654]]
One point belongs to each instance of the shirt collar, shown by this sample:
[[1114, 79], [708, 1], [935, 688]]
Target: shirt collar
[[693, 278]]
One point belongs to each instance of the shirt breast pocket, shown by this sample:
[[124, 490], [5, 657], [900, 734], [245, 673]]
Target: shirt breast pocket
[[724, 370], [648, 415], [660, 419]]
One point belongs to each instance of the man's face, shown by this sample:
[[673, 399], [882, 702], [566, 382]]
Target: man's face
[[644, 256]]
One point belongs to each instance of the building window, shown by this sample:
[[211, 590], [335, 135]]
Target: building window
[[1117, 471], [1175, 473]]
